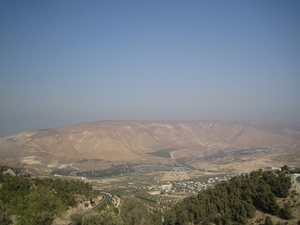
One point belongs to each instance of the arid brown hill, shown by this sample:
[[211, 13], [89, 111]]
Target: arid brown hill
[[115, 140]]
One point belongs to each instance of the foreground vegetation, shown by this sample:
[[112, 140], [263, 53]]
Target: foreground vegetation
[[235, 201], [26, 200], [132, 211], [37, 201], [230, 202]]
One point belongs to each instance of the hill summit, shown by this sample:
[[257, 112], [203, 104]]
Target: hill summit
[[133, 140]]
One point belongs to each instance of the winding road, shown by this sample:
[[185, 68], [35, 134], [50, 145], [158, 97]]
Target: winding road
[[298, 179], [106, 198]]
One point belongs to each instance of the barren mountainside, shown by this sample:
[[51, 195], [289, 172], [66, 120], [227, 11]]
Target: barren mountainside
[[114, 140]]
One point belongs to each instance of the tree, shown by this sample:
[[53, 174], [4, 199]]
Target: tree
[[286, 169], [36, 218], [250, 210], [36, 200], [170, 217], [268, 221], [265, 199], [135, 212], [5, 217], [104, 217], [182, 216], [279, 184], [286, 212]]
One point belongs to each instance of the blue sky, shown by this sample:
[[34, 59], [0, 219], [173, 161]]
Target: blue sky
[[66, 62]]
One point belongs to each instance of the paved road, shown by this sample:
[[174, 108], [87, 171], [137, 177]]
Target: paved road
[[106, 198], [297, 182]]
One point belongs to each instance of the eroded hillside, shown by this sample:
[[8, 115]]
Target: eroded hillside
[[132, 140]]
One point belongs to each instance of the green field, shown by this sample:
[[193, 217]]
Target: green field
[[163, 153]]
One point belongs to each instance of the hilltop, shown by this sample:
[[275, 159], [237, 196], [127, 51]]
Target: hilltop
[[97, 145]]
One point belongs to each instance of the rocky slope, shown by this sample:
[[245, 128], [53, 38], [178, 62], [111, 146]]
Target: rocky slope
[[115, 140]]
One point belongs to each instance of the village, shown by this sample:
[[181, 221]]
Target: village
[[182, 187]]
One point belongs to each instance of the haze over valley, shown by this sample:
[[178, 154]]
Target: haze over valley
[[209, 145], [146, 103]]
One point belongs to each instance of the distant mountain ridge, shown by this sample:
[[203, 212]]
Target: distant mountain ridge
[[114, 140]]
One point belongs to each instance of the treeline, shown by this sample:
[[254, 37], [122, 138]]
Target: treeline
[[35, 201], [235, 201], [146, 198], [113, 171], [132, 212], [38, 201]]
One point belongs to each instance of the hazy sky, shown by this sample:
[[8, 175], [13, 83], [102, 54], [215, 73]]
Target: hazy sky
[[66, 62]]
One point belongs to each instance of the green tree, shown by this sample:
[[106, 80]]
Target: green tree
[[250, 210], [104, 217], [135, 212], [265, 199], [38, 201], [46, 201], [268, 221], [182, 216], [36, 218], [170, 217], [5, 217], [286, 212], [286, 169]]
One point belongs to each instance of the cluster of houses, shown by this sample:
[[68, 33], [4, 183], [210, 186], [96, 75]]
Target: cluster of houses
[[177, 187]]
